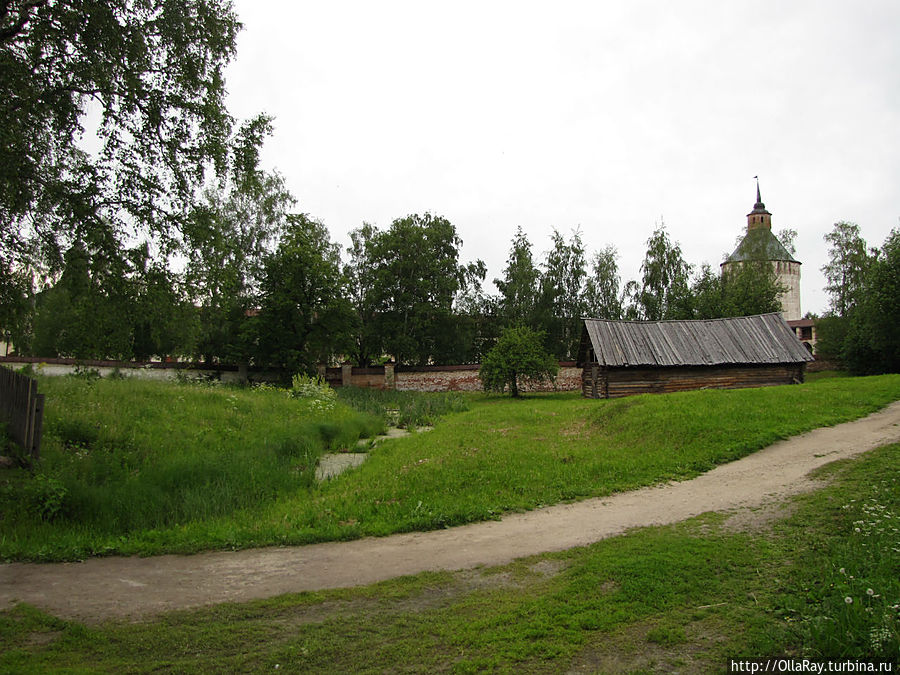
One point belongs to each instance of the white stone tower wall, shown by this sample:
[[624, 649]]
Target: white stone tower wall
[[789, 276]]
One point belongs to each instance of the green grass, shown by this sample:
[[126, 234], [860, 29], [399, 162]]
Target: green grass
[[501, 455], [826, 375], [677, 598]]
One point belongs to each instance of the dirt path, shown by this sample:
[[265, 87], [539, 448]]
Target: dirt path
[[103, 588]]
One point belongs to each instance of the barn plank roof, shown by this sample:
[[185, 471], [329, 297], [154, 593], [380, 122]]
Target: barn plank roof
[[760, 339]]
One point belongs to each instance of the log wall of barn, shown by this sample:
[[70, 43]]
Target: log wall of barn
[[598, 382]]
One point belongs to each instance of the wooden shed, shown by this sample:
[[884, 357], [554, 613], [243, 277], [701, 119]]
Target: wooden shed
[[621, 358]]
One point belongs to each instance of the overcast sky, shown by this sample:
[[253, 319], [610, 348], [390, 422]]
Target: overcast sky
[[605, 116]]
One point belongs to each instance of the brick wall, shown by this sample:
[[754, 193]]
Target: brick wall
[[465, 378], [428, 378]]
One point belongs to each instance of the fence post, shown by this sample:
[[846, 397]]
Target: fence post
[[38, 427], [389, 375], [347, 374], [22, 408]]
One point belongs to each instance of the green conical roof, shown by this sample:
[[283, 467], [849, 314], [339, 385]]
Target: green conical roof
[[760, 244]]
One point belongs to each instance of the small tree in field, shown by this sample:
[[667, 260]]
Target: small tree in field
[[519, 355]]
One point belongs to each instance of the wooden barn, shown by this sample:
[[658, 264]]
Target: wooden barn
[[621, 358]]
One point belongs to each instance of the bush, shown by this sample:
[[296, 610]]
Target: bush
[[314, 389], [45, 496]]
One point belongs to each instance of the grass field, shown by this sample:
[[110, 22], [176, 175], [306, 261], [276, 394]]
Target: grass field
[[818, 578], [138, 467]]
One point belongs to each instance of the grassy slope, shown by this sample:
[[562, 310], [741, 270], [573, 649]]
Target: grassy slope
[[682, 597], [499, 456], [506, 455]]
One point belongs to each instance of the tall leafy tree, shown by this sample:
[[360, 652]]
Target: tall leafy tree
[[416, 277], [519, 286], [163, 322], [87, 313], [602, 295], [469, 326], [304, 318], [881, 314], [749, 288], [152, 75], [16, 305], [665, 281], [359, 274], [228, 239], [847, 266], [561, 300], [865, 339]]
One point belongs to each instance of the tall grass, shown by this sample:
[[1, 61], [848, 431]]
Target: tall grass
[[121, 456], [404, 408]]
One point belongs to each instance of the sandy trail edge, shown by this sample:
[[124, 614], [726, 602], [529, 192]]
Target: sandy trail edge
[[110, 588]]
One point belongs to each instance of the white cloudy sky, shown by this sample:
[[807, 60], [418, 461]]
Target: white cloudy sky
[[606, 116]]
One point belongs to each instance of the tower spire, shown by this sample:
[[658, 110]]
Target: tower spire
[[759, 217]]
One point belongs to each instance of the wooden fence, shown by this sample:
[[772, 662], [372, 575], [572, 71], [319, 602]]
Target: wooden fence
[[22, 410]]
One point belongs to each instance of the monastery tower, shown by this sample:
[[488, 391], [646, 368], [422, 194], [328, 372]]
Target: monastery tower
[[759, 242]]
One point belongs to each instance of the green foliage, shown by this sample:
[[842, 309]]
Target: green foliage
[[155, 75], [743, 289], [561, 303], [304, 319], [847, 266], [602, 295], [663, 293], [230, 236], [111, 307], [163, 322], [16, 299], [517, 359], [45, 497], [865, 337], [881, 314], [519, 286], [315, 390], [415, 276], [786, 238], [86, 313], [359, 274]]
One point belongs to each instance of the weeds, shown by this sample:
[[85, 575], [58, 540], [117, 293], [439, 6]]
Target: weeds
[[127, 456], [855, 611], [404, 408]]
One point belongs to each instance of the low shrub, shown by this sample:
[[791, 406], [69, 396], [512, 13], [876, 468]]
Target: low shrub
[[45, 496]]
